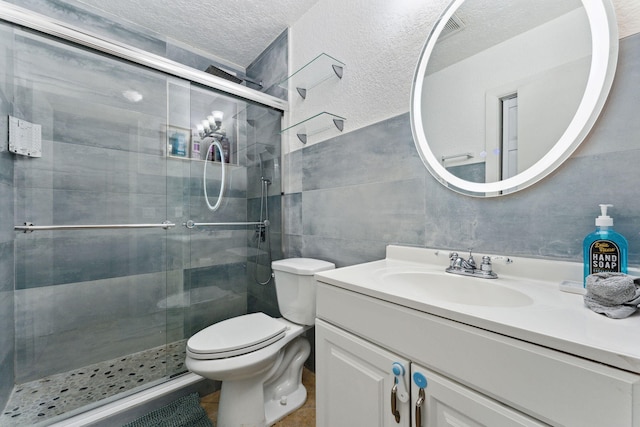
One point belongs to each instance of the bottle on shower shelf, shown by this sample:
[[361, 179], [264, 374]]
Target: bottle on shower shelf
[[178, 143], [212, 152], [195, 147], [226, 148]]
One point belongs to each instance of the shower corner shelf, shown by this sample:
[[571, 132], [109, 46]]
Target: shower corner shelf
[[316, 124], [319, 69]]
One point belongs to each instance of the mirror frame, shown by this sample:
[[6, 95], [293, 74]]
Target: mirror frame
[[604, 56]]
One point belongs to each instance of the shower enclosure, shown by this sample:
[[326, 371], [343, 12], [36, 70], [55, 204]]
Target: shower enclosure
[[102, 280]]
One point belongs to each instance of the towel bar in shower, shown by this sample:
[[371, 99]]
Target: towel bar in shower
[[28, 227], [454, 156], [192, 224]]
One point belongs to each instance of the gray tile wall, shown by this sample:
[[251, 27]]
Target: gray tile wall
[[7, 235], [111, 27], [272, 66], [267, 67], [82, 297], [86, 296], [366, 189], [83, 16], [264, 160]]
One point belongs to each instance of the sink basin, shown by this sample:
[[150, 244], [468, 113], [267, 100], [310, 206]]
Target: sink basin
[[431, 285]]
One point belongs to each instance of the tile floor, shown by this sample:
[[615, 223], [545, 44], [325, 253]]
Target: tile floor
[[303, 417], [40, 400]]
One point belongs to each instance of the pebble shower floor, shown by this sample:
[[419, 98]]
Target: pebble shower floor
[[42, 399]]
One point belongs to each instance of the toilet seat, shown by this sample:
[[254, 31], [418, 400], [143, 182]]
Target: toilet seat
[[235, 336]]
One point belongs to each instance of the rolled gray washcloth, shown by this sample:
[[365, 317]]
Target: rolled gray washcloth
[[615, 295]]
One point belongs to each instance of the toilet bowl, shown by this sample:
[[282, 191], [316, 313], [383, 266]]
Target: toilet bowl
[[259, 358]]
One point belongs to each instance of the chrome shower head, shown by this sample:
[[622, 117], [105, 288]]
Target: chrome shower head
[[218, 72]]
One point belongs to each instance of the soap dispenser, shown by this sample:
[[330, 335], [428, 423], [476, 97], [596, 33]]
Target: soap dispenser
[[605, 250]]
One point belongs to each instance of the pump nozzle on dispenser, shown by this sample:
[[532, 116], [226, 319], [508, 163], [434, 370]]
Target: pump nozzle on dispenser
[[604, 220]]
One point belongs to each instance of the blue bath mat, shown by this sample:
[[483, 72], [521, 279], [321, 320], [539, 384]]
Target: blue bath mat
[[184, 412]]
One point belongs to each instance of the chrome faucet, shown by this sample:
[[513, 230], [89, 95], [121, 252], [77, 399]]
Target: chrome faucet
[[468, 267]]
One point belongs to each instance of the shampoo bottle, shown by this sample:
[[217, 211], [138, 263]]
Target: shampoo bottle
[[605, 250]]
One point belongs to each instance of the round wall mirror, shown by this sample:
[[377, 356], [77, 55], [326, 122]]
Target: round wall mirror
[[504, 92]]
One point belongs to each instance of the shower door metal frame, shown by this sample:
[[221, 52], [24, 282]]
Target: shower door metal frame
[[26, 18], [30, 20], [11, 13]]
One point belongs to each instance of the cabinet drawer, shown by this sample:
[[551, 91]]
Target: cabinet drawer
[[557, 388]]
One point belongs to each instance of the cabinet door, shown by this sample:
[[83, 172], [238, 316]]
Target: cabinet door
[[449, 404], [354, 382]]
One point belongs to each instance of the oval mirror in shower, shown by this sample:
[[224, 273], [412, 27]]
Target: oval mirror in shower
[[504, 92]]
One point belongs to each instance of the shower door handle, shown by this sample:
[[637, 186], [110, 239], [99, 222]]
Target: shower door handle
[[192, 224], [29, 227]]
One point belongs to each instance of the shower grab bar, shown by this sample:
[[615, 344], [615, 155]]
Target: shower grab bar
[[29, 227], [191, 224]]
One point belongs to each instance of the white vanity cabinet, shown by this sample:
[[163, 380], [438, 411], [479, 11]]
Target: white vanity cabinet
[[475, 377], [356, 386]]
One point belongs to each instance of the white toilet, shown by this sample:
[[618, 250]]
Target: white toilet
[[259, 359]]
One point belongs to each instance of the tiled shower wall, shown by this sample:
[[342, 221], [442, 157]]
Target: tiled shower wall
[[115, 28], [358, 192], [67, 288], [86, 296], [7, 235], [271, 67]]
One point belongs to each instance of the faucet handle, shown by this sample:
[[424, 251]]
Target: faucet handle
[[486, 263], [486, 267], [453, 258], [471, 261]]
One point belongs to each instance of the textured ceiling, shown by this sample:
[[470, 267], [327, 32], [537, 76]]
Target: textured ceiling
[[234, 30], [485, 24]]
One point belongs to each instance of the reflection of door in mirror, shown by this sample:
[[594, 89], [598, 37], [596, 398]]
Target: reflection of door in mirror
[[509, 146]]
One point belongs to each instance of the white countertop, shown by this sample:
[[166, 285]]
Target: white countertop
[[554, 319]]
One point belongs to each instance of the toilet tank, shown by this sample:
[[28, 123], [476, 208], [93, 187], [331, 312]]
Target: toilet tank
[[296, 287]]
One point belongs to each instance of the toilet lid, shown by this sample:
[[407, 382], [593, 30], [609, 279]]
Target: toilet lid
[[235, 336], [302, 266]]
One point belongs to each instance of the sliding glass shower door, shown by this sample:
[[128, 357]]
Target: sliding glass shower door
[[90, 303], [111, 275]]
